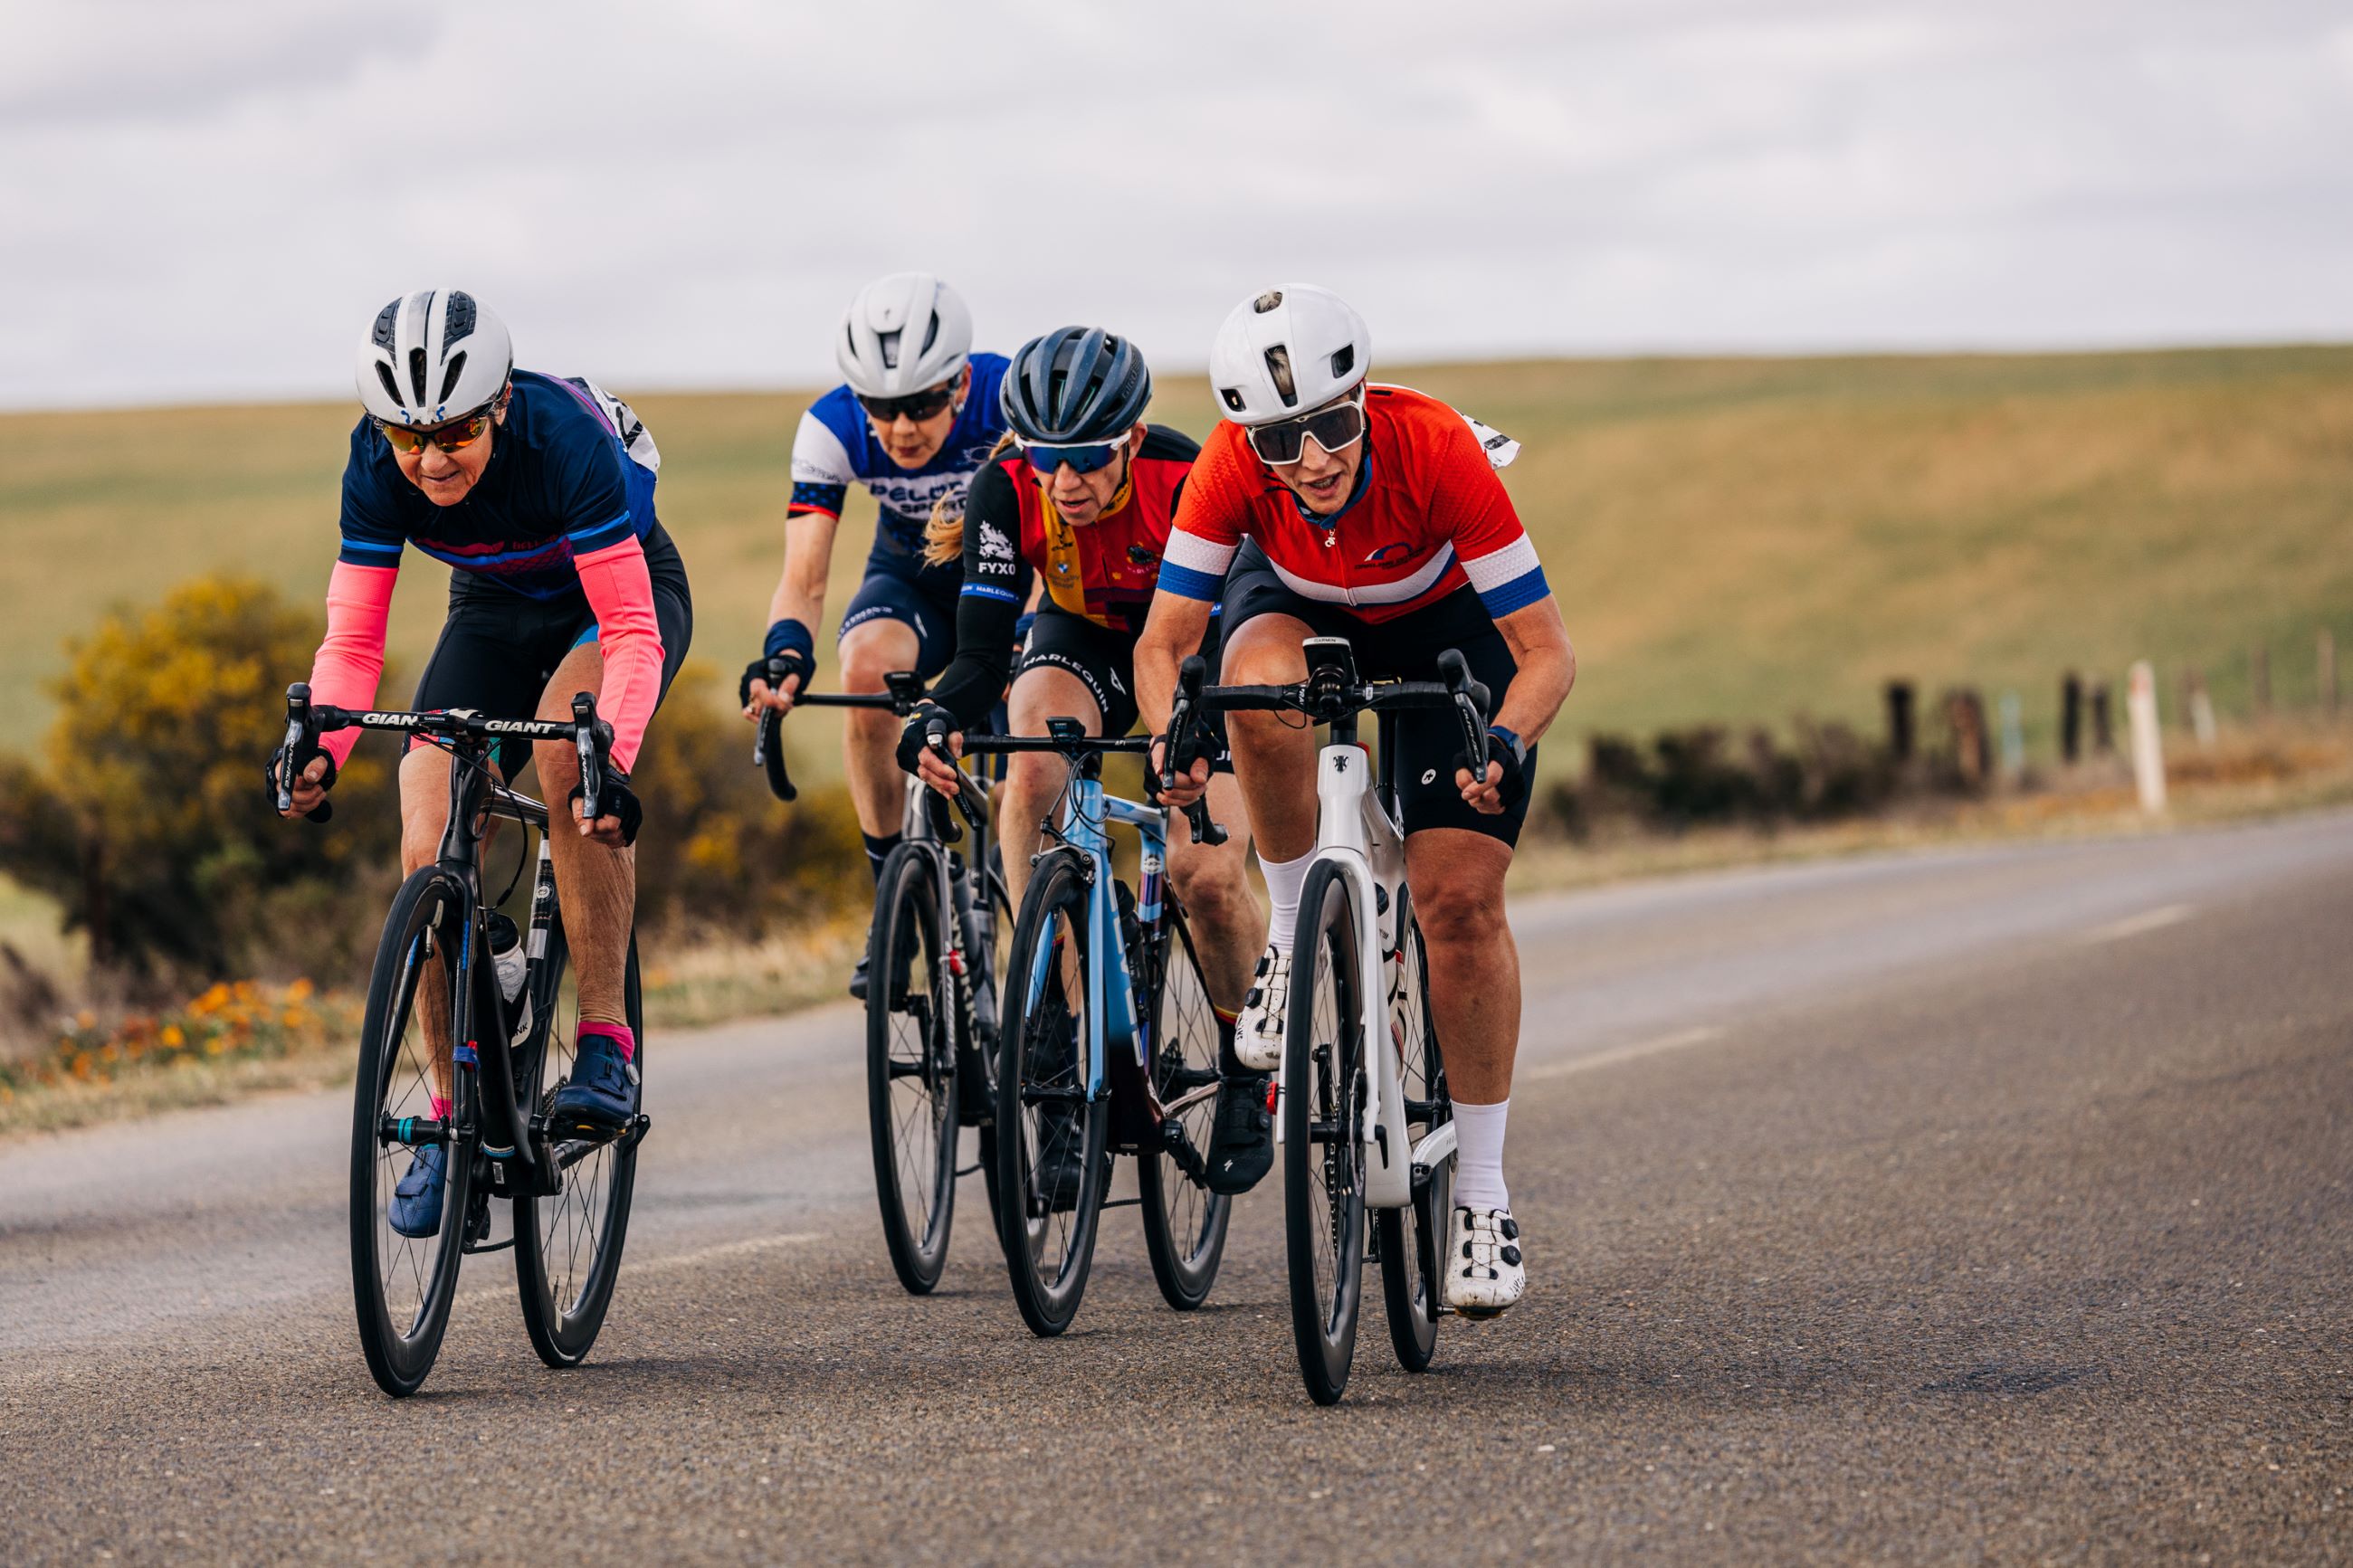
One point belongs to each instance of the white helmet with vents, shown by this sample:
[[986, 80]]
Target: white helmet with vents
[[901, 334], [1284, 352], [433, 355]]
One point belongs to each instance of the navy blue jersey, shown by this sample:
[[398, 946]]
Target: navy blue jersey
[[835, 448], [571, 472]]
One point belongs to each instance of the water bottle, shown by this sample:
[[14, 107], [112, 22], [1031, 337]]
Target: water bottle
[[512, 967]]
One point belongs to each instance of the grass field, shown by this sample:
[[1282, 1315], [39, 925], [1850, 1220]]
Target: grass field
[[1737, 538]]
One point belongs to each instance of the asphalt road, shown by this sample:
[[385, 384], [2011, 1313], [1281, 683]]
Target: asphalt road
[[1989, 1205]]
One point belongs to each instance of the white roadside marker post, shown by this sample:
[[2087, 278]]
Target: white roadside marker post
[[2148, 758]]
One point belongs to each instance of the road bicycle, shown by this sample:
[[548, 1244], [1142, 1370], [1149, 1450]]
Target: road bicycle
[[934, 976], [1110, 1046], [1361, 1129], [498, 1065]]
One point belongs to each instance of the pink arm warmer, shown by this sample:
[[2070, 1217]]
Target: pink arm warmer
[[351, 661], [621, 592]]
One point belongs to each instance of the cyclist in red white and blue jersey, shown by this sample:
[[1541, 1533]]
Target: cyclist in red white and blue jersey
[[914, 419], [538, 492], [1327, 505]]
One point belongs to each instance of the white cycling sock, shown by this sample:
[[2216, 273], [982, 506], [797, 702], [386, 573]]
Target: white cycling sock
[[1479, 1157], [1284, 879]]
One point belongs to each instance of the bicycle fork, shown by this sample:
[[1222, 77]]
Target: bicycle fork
[[1356, 833]]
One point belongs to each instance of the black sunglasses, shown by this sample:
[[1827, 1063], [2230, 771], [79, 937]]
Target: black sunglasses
[[916, 406]]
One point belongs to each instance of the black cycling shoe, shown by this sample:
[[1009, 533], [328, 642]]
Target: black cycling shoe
[[858, 977], [1241, 1144]]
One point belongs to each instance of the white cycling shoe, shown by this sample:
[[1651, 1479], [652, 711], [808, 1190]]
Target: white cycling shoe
[[1257, 1033], [1484, 1274]]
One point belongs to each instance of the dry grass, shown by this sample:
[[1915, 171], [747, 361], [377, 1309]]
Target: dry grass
[[1731, 539]]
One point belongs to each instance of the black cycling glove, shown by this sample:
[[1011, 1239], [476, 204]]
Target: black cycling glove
[[774, 669], [616, 799], [1502, 747], [274, 774], [916, 739]]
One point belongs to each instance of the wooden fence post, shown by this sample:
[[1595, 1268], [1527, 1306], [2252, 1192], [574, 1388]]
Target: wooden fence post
[[2071, 718], [2199, 705], [2104, 734]]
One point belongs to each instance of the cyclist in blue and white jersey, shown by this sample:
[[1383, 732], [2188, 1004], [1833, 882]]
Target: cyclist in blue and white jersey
[[916, 417]]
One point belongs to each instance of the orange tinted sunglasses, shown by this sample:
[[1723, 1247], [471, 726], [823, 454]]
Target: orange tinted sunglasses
[[455, 435]]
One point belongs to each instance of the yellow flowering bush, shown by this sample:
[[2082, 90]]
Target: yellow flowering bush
[[243, 1019]]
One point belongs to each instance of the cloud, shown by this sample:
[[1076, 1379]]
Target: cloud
[[211, 200]]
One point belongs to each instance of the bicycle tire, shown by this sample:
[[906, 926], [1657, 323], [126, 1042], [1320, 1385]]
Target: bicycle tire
[[911, 1046], [1412, 1240], [1184, 1222], [1041, 1064], [983, 1047], [398, 1279], [1323, 1149], [564, 1299]]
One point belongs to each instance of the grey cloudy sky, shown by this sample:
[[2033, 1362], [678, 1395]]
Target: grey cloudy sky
[[210, 201]]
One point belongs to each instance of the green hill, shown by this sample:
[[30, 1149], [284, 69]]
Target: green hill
[[1730, 539]]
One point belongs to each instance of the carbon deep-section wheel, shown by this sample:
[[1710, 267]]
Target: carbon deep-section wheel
[[1322, 1131], [911, 1067], [1184, 1222], [568, 1242], [403, 1284], [1413, 1241], [1051, 1137]]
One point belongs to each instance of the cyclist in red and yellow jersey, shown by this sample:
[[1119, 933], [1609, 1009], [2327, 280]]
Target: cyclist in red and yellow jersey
[[1331, 506], [1081, 497]]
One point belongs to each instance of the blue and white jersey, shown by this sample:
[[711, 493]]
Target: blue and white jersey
[[835, 448]]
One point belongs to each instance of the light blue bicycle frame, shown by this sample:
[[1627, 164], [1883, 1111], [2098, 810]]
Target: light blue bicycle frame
[[1109, 1001]]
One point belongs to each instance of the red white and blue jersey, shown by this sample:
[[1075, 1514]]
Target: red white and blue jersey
[[1428, 515]]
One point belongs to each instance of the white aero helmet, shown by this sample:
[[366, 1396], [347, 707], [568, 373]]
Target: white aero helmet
[[902, 333], [1285, 352], [433, 355]]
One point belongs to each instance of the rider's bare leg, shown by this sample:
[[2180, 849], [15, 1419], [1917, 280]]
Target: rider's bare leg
[[1034, 780], [597, 885], [870, 735], [1274, 754], [1456, 878], [1215, 886]]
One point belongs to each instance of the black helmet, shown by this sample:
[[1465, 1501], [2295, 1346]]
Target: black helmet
[[1076, 385]]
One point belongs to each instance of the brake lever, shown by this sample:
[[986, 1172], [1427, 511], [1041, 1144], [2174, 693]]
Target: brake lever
[[1205, 832], [592, 764], [935, 741], [302, 745]]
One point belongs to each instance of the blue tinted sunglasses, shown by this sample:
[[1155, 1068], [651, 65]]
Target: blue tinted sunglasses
[[1044, 459]]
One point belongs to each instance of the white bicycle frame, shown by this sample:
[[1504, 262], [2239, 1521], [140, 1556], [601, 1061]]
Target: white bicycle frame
[[1356, 832]]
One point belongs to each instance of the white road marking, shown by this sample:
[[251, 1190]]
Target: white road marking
[[1651, 1048], [2134, 925]]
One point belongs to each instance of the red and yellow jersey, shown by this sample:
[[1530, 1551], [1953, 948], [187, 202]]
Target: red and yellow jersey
[[1105, 571]]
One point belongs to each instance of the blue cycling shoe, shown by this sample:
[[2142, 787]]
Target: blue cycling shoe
[[414, 1210], [601, 1098]]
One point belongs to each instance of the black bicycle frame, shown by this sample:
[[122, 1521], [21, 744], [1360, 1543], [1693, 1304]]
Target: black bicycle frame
[[475, 795]]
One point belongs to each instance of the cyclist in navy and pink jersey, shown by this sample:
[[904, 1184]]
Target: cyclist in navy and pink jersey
[[539, 494], [1331, 506], [914, 419]]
